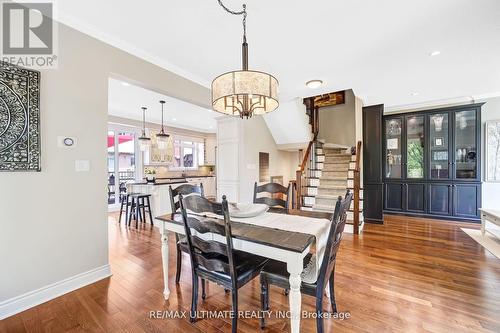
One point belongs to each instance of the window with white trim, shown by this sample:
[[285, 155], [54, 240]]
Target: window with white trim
[[187, 155]]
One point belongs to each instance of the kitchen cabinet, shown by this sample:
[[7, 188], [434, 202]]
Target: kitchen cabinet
[[208, 185], [210, 146], [432, 162]]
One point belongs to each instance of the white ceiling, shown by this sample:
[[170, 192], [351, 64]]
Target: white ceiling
[[380, 48], [125, 100]]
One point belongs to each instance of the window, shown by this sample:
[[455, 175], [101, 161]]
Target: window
[[187, 154]]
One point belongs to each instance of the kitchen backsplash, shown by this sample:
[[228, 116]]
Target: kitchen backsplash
[[164, 172]]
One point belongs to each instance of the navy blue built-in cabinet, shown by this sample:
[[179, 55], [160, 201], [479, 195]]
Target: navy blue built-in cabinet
[[432, 163]]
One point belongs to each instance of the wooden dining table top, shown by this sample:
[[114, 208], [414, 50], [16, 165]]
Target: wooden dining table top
[[286, 240]]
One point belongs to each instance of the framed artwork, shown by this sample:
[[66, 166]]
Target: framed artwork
[[438, 142], [392, 143], [19, 118], [492, 145]]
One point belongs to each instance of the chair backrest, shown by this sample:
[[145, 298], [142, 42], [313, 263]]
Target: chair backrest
[[184, 189], [210, 254], [271, 188], [339, 218]]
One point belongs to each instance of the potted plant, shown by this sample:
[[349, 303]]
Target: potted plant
[[150, 175]]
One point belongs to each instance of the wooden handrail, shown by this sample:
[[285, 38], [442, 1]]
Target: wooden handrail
[[306, 156], [300, 171], [357, 187]]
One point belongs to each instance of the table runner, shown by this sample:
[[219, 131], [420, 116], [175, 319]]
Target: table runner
[[319, 228]]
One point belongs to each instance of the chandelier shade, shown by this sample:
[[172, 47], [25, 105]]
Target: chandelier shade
[[243, 93]]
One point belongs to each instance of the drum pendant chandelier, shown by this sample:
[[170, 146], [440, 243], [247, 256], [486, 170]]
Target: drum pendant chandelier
[[246, 92]]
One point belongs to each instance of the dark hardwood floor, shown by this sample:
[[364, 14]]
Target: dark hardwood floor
[[408, 275]]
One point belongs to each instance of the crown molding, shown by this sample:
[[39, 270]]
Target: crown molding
[[87, 29]]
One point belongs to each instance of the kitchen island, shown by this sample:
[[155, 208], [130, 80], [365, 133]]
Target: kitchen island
[[159, 190]]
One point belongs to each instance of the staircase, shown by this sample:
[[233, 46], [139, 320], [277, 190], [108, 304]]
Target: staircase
[[330, 175], [327, 171]]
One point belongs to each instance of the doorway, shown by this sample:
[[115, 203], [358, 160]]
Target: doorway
[[123, 162]]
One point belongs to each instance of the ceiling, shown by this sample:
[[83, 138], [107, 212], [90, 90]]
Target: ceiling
[[380, 49], [125, 100]]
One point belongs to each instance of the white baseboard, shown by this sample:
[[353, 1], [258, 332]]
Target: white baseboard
[[23, 302]]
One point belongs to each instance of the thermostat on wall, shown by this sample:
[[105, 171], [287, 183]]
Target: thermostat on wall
[[66, 142]]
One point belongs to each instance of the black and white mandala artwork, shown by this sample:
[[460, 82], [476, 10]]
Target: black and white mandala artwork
[[19, 118]]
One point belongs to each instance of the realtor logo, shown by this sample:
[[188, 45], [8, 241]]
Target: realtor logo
[[28, 34]]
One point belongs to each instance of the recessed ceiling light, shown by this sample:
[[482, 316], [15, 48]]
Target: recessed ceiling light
[[313, 84], [414, 93], [174, 119], [434, 53], [126, 84]]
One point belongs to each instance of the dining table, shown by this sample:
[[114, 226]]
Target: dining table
[[283, 245]]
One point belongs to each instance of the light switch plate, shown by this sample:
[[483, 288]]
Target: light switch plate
[[82, 165], [251, 166]]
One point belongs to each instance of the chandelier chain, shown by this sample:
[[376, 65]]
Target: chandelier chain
[[243, 12]]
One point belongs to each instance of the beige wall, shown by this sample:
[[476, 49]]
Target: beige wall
[[257, 138], [54, 223], [337, 124]]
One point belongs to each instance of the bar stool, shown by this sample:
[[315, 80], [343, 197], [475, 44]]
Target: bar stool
[[138, 203], [124, 206]]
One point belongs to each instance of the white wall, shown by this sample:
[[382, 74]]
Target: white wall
[[53, 224], [257, 138], [239, 142], [491, 191], [337, 124], [289, 124]]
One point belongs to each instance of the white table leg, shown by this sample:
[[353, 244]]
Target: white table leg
[[483, 225], [164, 258], [294, 267]]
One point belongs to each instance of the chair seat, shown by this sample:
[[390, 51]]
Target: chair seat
[[247, 266], [275, 273]]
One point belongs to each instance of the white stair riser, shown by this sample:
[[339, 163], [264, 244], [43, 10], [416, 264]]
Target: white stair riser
[[309, 201], [312, 191], [313, 182]]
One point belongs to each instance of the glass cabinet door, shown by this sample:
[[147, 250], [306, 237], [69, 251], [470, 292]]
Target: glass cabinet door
[[465, 145], [393, 148], [415, 147], [439, 146]]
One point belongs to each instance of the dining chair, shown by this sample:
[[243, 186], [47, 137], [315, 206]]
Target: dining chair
[[185, 189], [275, 272], [273, 189], [213, 260]]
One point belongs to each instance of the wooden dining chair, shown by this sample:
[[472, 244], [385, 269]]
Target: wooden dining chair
[[273, 189], [214, 260], [185, 189], [275, 272]]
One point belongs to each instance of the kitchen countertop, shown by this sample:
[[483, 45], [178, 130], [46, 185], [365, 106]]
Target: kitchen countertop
[[160, 182], [185, 177]]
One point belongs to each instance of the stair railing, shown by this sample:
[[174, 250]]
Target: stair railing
[[357, 188]]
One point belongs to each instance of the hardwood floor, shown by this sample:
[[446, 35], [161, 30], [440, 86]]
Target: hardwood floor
[[408, 275]]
